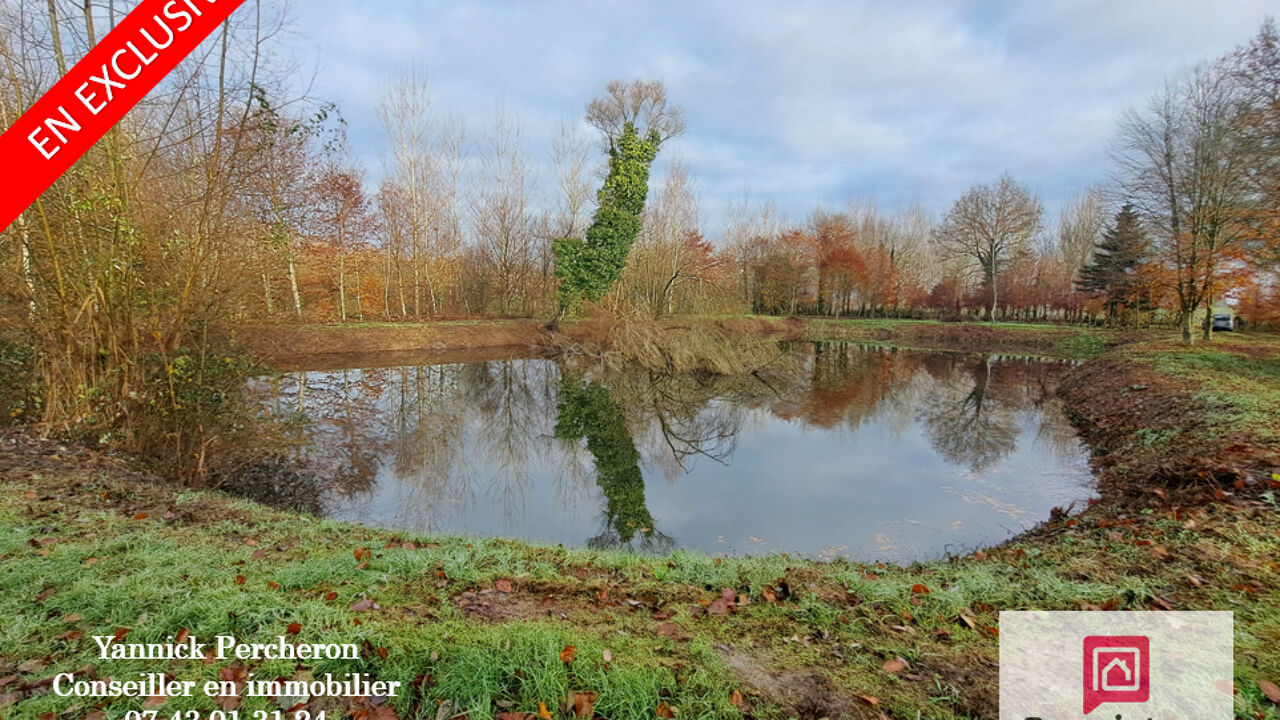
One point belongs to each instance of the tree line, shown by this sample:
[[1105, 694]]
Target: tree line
[[225, 198]]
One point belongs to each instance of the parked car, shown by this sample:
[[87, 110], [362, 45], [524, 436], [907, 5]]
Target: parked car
[[1223, 321]]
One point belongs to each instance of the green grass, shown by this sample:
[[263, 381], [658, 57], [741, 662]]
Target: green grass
[[155, 577]]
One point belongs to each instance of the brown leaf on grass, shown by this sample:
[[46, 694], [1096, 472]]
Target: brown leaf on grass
[[154, 702], [893, 667], [569, 653], [96, 715], [543, 712], [293, 629], [512, 716], [273, 585], [364, 604], [228, 702], [607, 656], [47, 593], [71, 635], [503, 586], [584, 705], [871, 700], [1269, 689], [668, 629], [738, 701], [967, 617], [362, 554], [8, 680], [665, 712], [330, 596], [181, 636], [240, 579], [919, 589], [90, 561], [9, 698], [140, 516], [768, 594], [120, 633], [258, 554]]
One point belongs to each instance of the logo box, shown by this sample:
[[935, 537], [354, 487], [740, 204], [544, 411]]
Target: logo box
[[1089, 665]]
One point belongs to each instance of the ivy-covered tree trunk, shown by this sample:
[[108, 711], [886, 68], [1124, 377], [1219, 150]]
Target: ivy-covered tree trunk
[[588, 267]]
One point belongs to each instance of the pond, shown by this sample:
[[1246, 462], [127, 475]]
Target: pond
[[859, 452]]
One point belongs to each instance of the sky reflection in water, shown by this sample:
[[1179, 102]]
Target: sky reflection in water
[[865, 453]]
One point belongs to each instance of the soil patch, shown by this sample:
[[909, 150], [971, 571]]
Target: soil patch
[[808, 694]]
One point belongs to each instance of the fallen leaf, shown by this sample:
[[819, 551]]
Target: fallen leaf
[[140, 516], [871, 700], [258, 554], [362, 554], [1269, 689], [607, 655], [967, 617], [568, 654], [503, 586], [768, 594], [513, 716], [90, 561], [364, 604], [293, 629], [46, 593], [668, 629], [330, 596], [738, 701], [239, 579], [919, 589], [543, 712], [665, 712], [273, 585], [154, 701], [893, 667], [584, 705]]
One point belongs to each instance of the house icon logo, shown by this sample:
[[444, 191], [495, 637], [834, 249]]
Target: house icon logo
[[1117, 669]]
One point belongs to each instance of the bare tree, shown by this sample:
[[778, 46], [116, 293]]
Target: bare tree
[[500, 214], [639, 102], [990, 225], [1182, 164], [1080, 227]]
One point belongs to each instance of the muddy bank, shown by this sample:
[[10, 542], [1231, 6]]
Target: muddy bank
[[295, 346], [287, 345], [1155, 425]]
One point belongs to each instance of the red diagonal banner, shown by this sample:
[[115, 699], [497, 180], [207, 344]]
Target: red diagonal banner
[[95, 94]]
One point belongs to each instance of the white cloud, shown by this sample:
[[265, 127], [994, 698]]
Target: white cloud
[[803, 102]]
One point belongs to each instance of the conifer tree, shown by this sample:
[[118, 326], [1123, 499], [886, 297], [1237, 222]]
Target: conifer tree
[[1116, 260]]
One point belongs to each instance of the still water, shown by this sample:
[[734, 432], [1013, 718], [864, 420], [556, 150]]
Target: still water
[[855, 452]]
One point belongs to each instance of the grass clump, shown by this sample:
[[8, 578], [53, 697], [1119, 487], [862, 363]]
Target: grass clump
[[716, 348]]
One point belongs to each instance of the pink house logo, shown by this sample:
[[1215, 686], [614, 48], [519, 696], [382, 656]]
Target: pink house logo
[[1117, 669]]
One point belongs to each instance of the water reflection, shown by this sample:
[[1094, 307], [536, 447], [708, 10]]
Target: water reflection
[[858, 452]]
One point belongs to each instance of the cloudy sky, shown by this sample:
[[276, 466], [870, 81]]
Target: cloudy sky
[[804, 103]]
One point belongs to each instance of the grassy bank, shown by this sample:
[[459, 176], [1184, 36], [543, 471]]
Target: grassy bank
[[486, 627]]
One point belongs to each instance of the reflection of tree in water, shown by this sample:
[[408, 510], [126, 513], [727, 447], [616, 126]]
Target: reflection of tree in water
[[587, 411], [972, 426]]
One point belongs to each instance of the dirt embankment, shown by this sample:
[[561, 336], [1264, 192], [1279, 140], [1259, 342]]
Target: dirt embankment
[[291, 345], [287, 345], [321, 346], [1152, 431]]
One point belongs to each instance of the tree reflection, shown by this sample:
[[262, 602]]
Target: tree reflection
[[587, 411], [972, 428]]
